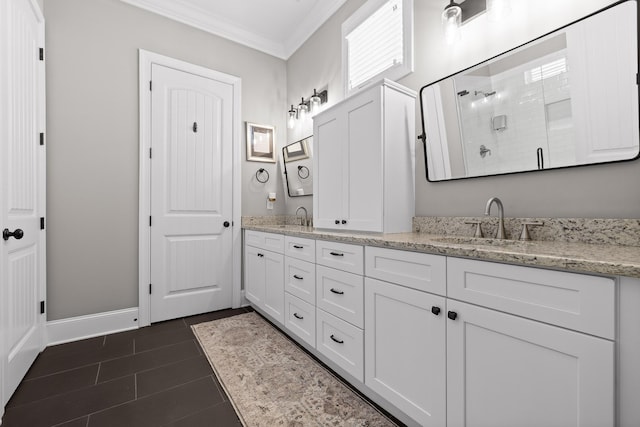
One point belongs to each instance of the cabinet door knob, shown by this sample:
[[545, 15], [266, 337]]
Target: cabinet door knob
[[336, 340], [435, 310], [337, 221], [344, 221], [452, 315], [297, 316]]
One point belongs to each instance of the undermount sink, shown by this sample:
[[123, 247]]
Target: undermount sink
[[464, 240]]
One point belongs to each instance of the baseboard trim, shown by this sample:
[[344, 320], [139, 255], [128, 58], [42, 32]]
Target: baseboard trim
[[93, 325]]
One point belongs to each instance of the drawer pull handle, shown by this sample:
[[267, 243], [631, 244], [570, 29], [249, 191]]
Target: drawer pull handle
[[452, 315], [336, 254], [336, 340], [261, 255], [337, 292], [435, 310], [297, 316], [298, 247], [295, 276]]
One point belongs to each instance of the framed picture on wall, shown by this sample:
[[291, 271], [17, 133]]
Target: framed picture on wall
[[260, 143]]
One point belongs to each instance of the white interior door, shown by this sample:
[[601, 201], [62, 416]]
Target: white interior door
[[21, 189], [191, 193]]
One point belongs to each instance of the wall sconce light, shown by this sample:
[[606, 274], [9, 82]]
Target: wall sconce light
[[303, 109], [307, 106], [455, 15], [291, 121]]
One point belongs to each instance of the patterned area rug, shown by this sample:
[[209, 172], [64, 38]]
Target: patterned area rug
[[272, 382]]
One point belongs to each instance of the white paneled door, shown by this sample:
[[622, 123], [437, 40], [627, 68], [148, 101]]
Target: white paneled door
[[191, 193], [22, 168]]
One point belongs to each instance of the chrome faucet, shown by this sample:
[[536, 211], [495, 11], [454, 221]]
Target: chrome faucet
[[500, 234], [304, 222]]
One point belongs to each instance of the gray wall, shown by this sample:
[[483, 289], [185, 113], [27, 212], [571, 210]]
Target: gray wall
[[608, 191], [92, 141]]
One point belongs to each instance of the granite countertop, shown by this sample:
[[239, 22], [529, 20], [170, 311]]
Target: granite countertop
[[577, 257]]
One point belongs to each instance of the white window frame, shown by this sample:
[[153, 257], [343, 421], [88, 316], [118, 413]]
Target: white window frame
[[392, 73]]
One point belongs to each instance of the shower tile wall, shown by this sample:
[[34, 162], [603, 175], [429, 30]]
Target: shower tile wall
[[538, 115]]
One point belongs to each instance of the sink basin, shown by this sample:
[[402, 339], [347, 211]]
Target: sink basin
[[464, 240]]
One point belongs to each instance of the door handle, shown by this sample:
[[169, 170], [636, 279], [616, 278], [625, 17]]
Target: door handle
[[226, 224], [17, 234]]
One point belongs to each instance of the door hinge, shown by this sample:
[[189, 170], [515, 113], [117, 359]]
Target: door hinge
[[149, 220], [42, 223], [150, 85], [41, 54], [41, 307], [41, 138], [149, 288]]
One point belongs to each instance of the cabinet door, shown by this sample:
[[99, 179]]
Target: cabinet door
[[274, 285], [364, 175], [405, 360], [329, 139], [254, 275], [504, 370]]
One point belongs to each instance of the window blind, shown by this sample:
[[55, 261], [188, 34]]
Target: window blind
[[376, 44]]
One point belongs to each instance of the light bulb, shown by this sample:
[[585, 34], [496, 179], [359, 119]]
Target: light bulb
[[451, 22], [315, 102], [291, 123], [302, 110]]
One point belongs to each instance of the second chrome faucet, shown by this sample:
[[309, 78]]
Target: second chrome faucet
[[500, 233]]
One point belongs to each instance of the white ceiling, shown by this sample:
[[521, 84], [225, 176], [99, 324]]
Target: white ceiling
[[276, 27]]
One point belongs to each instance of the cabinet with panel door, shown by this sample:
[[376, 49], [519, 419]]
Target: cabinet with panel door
[[264, 272], [364, 161], [540, 351]]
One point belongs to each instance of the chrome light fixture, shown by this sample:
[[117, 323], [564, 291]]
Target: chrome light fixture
[[451, 22], [314, 102], [310, 106], [291, 122], [455, 15], [303, 109]]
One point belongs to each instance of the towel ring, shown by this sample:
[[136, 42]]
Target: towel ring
[[260, 173], [303, 172]]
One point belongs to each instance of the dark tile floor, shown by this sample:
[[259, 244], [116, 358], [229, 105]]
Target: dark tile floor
[[153, 376]]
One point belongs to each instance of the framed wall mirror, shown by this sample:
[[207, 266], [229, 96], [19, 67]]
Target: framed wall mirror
[[568, 98], [297, 165]]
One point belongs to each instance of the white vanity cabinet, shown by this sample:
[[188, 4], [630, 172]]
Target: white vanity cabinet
[[539, 353], [264, 272], [513, 369], [300, 288], [364, 161], [339, 305]]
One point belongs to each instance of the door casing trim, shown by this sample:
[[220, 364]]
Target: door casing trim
[[146, 59]]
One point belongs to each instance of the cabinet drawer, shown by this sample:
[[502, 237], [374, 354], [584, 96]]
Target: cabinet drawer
[[297, 247], [300, 318], [423, 272], [300, 279], [341, 294], [575, 301], [268, 241], [341, 342], [341, 256]]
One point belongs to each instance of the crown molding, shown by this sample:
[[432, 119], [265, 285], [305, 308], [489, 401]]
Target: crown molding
[[188, 14]]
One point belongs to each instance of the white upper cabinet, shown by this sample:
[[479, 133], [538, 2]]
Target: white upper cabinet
[[364, 161]]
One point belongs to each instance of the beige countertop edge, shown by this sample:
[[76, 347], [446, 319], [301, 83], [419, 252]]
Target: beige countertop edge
[[576, 257]]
